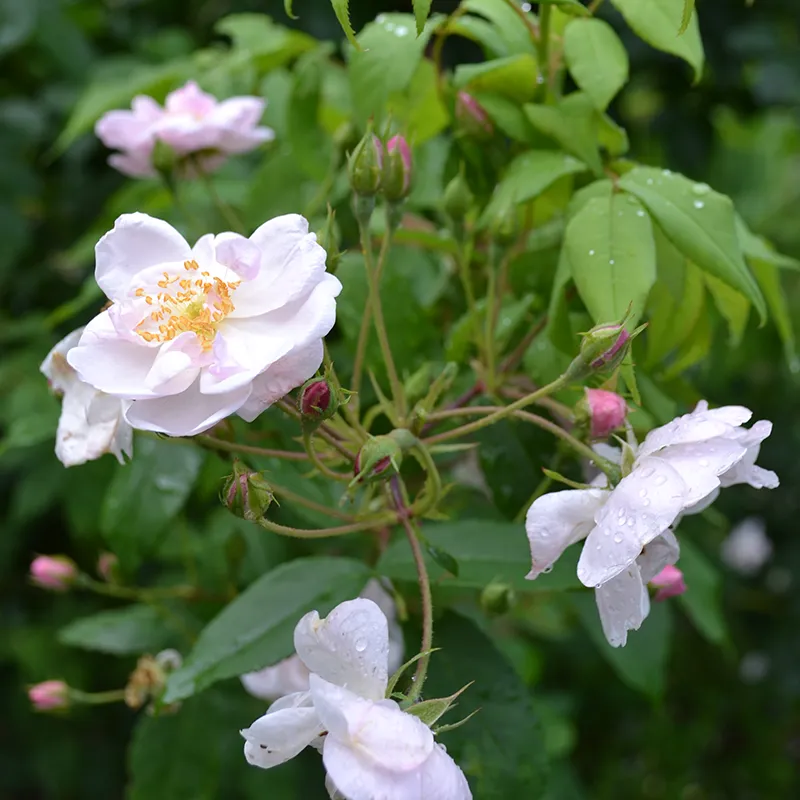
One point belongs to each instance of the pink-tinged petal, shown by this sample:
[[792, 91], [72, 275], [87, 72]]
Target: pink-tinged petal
[[239, 254], [349, 648], [238, 112], [292, 263], [277, 380], [146, 109], [137, 241], [700, 464], [187, 413], [280, 735], [60, 375], [190, 99], [176, 365], [135, 164], [746, 470], [390, 738], [662, 552], [122, 130], [669, 582], [623, 604], [185, 134], [557, 520], [110, 364], [256, 343], [242, 141], [642, 506]]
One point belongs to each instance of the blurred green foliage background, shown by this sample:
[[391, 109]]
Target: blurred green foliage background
[[720, 732]]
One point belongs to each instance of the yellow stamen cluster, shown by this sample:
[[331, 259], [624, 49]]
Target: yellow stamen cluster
[[195, 303]]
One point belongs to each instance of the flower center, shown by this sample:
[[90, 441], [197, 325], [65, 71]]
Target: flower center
[[196, 302]]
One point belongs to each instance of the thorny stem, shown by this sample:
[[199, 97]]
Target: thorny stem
[[380, 324], [323, 432], [519, 351], [300, 500], [136, 593], [350, 413], [213, 443], [494, 413], [488, 325], [398, 495], [363, 333], [317, 462], [464, 259], [322, 533], [97, 698]]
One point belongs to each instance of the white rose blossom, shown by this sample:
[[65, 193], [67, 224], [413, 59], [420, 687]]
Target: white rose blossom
[[91, 422], [291, 674], [195, 334], [678, 469], [370, 747]]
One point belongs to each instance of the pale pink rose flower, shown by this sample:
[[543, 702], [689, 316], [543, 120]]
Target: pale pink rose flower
[[191, 122]]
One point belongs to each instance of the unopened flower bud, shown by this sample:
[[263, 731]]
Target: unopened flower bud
[[318, 400], [472, 118], [108, 567], [379, 457], [397, 169], [604, 346], [49, 696], [366, 166], [603, 411], [54, 573], [247, 494], [165, 159], [497, 598], [458, 199], [669, 583]]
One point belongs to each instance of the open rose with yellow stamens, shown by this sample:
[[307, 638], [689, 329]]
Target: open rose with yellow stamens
[[195, 334]]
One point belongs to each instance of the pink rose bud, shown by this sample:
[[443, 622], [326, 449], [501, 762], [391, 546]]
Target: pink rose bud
[[472, 118], [607, 412], [669, 583], [107, 566], [397, 169], [49, 696], [366, 166], [55, 573], [247, 494], [318, 400]]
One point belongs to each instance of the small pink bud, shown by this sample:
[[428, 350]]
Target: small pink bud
[[49, 696], [607, 412], [397, 169], [366, 165], [316, 401], [472, 118], [669, 583], [107, 564], [55, 573]]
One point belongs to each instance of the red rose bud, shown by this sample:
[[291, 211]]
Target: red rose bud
[[606, 411], [472, 118], [54, 573], [397, 169], [318, 400], [247, 494], [49, 696], [379, 458], [669, 583], [366, 166]]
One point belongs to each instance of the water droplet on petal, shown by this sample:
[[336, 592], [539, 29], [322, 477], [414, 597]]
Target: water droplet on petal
[[660, 480], [647, 472], [642, 492], [703, 462], [361, 645], [645, 502], [631, 522], [618, 538], [547, 569]]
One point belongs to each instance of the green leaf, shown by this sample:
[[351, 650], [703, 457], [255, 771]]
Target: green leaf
[[694, 349], [486, 551], [500, 749], [443, 559], [702, 600], [559, 329], [612, 256], [573, 124], [508, 116], [686, 18], [572, 8], [260, 43], [421, 10], [732, 305], [756, 247], [256, 628], [131, 630], [769, 279], [658, 22], [642, 662], [699, 222], [385, 63], [513, 31], [527, 176], [342, 10], [145, 495], [596, 58], [287, 7], [513, 77], [310, 145]]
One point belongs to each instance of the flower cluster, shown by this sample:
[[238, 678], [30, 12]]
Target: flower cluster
[[370, 747], [198, 131], [679, 468]]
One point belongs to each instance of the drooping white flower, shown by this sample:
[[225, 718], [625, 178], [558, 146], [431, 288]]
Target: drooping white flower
[[747, 547], [678, 468], [291, 674], [91, 422], [370, 747], [195, 334]]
